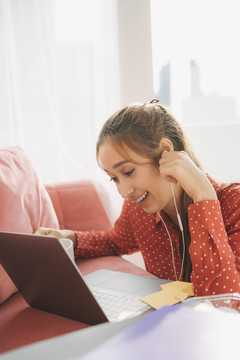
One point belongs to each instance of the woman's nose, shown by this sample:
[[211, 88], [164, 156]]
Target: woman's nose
[[125, 190]]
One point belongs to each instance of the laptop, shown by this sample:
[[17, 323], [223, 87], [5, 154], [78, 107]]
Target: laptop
[[49, 280]]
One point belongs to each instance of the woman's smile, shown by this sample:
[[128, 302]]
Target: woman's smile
[[142, 198]]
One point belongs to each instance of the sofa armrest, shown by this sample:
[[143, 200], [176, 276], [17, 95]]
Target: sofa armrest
[[80, 205]]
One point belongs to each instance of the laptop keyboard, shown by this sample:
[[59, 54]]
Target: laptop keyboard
[[116, 305]]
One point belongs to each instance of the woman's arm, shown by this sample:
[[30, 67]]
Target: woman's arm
[[214, 227], [118, 241], [88, 244], [215, 244]]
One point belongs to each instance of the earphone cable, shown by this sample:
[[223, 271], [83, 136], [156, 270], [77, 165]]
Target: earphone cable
[[174, 268], [181, 229]]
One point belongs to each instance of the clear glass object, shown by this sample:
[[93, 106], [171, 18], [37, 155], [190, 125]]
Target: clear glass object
[[222, 302]]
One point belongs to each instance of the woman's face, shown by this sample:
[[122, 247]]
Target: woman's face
[[136, 179]]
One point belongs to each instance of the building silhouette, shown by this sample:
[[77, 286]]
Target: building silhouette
[[195, 79], [164, 93], [201, 108]]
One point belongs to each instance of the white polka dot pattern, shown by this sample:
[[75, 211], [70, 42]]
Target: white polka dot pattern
[[215, 242]]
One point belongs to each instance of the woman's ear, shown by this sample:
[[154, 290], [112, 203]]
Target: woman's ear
[[166, 145]]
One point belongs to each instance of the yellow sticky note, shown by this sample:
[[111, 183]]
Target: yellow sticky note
[[171, 294], [180, 285], [161, 298]]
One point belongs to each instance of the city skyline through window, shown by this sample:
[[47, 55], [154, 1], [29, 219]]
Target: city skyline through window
[[196, 60]]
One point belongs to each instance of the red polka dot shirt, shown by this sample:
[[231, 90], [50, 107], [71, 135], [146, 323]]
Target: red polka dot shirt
[[215, 241]]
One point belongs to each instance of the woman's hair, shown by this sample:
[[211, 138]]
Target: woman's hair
[[141, 127]]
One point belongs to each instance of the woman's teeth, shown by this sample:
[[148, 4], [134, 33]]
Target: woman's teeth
[[141, 198]]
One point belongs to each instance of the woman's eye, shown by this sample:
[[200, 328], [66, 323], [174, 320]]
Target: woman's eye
[[128, 173], [113, 179]]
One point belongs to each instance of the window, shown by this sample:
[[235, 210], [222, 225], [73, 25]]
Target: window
[[197, 74], [195, 59]]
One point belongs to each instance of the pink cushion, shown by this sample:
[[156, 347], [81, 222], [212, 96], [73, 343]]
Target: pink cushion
[[25, 203], [80, 205]]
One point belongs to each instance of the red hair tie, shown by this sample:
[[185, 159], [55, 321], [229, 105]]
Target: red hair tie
[[154, 101]]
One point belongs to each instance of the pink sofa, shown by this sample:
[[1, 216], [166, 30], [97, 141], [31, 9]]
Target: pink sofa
[[27, 204]]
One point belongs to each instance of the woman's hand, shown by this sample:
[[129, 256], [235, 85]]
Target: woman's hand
[[69, 234], [178, 168]]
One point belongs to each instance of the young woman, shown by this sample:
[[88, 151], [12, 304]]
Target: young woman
[[186, 225]]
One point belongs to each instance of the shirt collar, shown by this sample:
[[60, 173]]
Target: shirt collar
[[158, 217]]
